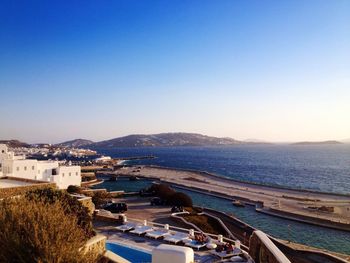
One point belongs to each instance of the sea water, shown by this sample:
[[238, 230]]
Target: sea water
[[317, 167], [320, 168]]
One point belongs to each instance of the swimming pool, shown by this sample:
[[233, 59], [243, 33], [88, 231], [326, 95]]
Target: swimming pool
[[132, 254]]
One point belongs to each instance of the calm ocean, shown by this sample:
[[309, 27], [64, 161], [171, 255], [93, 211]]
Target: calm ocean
[[320, 168]]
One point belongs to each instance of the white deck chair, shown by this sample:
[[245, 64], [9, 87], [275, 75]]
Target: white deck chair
[[158, 233], [224, 254], [140, 230], [177, 237], [195, 244], [126, 227]]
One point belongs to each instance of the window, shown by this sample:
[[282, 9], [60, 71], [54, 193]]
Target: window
[[33, 167], [70, 174], [38, 171], [76, 173], [25, 168], [62, 174], [3, 151], [17, 168]]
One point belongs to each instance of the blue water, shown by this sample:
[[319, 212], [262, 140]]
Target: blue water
[[320, 168], [333, 240], [133, 255], [122, 184], [330, 239]]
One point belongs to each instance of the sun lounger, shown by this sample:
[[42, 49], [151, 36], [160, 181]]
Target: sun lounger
[[224, 254], [140, 230], [126, 227], [238, 259], [158, 233], [177, 237], [195, 244]]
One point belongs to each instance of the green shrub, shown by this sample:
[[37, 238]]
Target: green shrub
[[170, 196], [163, 191], [100, 198], [38, 231], [180, 199], [70, 205]]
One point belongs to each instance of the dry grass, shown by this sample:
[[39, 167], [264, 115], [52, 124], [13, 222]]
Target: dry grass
[[34, 231], [205, 223]]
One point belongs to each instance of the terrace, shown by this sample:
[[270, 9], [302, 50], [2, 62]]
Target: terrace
[[9, 183], [12, 186], [143, 242]]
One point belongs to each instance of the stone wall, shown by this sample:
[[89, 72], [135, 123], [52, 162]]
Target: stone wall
[[311, 220], [96, 244], [307, 255], [20, 190]]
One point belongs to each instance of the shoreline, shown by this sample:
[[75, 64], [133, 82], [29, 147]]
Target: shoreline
[[274, 213], [297, 204], [219, 176], [283, 243]]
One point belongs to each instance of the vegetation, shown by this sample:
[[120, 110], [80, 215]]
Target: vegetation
[[205, 223], [163, 191], [21, 190], [35, 230], [74, 189], [180, 199], [100, 198], [170, 196], [71, 206]]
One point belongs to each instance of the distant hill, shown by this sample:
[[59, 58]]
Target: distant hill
[[77, 143], [256, 141], [165, 139], [346, 140], [146, 140], [14, 143], [317, 143]]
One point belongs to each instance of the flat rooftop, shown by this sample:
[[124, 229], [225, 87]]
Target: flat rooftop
[[8, 183]]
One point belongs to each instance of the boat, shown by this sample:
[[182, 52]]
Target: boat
[[238, 203]]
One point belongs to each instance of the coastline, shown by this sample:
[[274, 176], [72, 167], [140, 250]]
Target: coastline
[[298, 246], [288, 203], [229, 179]]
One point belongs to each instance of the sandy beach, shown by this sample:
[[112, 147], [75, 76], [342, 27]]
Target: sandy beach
[[304, 206]]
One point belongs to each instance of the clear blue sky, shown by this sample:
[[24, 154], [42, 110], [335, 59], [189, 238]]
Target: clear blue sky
[[272, 70]]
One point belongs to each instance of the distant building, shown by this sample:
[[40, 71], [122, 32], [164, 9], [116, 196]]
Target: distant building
[[103, 159], [49, 171]]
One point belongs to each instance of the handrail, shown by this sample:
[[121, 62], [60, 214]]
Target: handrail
[[222, 224]]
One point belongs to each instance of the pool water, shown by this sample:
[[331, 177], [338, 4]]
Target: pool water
[[131, 254]]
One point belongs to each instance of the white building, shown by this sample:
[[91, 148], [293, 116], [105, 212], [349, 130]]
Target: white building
[[103, 159], [49, 171]]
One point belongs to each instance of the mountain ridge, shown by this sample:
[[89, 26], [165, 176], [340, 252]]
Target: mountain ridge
[[329, 142], [15, 143], [76, 143], [165, 139]]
